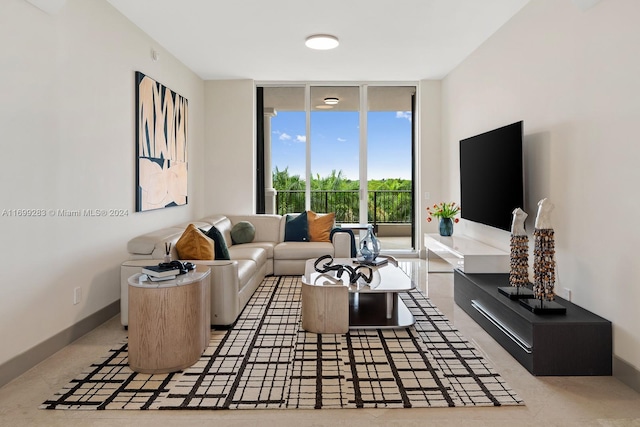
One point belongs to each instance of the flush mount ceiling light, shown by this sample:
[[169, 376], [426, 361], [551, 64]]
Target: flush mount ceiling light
[[331, 101], [321, 42]]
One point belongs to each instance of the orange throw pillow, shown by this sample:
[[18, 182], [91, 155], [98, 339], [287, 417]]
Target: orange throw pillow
[[193, 244], [320, 226]]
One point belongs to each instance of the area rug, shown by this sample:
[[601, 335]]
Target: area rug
[[267, 361]]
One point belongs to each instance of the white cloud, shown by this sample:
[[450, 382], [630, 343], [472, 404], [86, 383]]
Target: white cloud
[[284, 137], [403, 115], [342, 140], [301, 138]]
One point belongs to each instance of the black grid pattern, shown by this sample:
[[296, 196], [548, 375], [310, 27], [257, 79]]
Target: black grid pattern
[[267, 361]]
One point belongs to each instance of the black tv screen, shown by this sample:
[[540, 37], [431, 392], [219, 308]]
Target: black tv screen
[[491, 176]]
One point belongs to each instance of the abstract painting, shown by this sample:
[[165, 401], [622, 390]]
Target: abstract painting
[[161, 145]]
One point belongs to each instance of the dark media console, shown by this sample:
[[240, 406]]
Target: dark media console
[[576, 343]]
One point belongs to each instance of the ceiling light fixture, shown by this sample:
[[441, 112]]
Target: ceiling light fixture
[[331, 101], [321, 42]]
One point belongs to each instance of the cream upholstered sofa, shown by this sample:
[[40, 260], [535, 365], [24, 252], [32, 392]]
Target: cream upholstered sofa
[[233, 281]]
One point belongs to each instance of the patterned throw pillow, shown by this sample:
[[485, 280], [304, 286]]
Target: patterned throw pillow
[[193, 244], [320, 226]]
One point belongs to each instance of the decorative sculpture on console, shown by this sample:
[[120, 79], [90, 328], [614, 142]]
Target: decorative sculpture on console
[[544, 264], [519, 275], [519, 258]]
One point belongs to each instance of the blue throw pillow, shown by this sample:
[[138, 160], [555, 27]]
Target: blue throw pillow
[[219, 244], [296, 228]]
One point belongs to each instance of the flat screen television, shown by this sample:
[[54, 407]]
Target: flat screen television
[[492, 176]]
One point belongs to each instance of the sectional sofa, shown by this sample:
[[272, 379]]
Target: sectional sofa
[[234, 281]]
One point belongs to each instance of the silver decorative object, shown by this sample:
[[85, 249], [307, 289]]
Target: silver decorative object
[[369, 245]]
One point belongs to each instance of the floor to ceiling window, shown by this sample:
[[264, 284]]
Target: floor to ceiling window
[[389, 163], [335, 151], [343, 148]]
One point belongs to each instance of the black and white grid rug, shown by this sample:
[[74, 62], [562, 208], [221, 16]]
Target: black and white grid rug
[[267, 361]]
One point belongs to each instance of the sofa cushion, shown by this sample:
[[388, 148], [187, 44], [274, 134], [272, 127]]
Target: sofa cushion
[[302, 250], [267, 246], [243, 232], [240, 252], [193, 244], [219, 244], [267, 226], [320, 226], [296, 229]]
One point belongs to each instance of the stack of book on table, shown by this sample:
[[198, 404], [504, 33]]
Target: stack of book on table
[[157, 273], [380, 260]]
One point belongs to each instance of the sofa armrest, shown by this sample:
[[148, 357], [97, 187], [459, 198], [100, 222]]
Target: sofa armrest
[[224, 285], [225, 290]]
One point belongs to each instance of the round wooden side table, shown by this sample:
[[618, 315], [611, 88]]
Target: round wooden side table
[[169, 321]]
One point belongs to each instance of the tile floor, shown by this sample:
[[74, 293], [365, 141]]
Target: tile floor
[[550, 401]]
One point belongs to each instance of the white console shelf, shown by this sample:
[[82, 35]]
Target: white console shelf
[[469, 255]]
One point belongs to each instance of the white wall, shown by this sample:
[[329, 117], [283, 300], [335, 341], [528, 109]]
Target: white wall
[[68, 128], [230, 154], [573, 77], [430, 160]]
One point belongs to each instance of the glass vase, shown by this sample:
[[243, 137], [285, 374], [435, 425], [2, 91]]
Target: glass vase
[[369, 245], [446, 226]]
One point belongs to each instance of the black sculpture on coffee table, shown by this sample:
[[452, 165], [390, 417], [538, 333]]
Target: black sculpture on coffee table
[[360, 272]]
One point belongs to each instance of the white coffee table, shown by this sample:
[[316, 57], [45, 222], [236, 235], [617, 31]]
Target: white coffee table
[[375, 305]]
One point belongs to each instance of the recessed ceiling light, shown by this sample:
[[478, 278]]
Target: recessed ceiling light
[[324, 107], [331, 101], [322, 42]]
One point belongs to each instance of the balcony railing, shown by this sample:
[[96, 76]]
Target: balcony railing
[[385, 206]]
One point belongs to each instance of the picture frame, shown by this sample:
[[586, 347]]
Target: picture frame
[[162, 117]]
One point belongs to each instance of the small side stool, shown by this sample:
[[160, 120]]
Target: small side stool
[[325, 308], [169, 321]]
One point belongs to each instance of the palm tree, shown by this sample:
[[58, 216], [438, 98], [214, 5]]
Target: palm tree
[[282, 181], [292, 188]]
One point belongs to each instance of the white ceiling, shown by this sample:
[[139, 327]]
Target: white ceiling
[[263, 40]]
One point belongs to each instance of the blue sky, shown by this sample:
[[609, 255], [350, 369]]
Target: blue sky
[[335, 143]]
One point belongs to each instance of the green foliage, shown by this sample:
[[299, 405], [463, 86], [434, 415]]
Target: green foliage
[[282, 181], [335, 182], [391, 184], [389, 199]]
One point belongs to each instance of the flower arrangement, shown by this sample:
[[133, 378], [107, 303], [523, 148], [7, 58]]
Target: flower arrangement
[[443, 210]]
